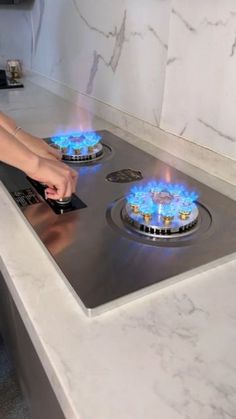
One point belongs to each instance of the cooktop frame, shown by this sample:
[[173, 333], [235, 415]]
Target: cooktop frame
[[105, 263]]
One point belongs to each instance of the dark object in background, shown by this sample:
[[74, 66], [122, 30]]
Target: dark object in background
[[6, 82], [12, 403], [37, 399], [12, 1], [3, 78]]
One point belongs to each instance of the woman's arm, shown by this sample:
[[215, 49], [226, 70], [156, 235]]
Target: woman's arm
[[7, 123], [61, 180], [35, 144], [15, 153]]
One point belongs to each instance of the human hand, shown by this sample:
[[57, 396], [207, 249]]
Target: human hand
[[60, 179], [38, 146]]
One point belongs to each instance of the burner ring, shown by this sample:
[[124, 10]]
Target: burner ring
[[157, 227], [203, 228], [91, 155]]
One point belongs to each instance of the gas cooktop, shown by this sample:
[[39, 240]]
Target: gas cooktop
[[134, 225]]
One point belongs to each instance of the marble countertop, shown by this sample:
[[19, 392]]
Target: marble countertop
[[168, 355]]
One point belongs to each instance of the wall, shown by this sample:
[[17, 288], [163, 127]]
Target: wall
[[200, 86], [15, 34], [113, 51], [147, 64]]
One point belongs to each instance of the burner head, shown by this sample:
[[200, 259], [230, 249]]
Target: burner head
[[79, 146], [160, 209]]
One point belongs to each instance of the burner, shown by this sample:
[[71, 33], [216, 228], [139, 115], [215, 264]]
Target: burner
[[160, 209], [79, 147]]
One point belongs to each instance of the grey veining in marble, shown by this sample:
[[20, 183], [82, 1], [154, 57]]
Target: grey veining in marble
[[119, 37], [36, 19]]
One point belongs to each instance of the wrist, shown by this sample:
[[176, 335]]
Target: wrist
[[31, 166]]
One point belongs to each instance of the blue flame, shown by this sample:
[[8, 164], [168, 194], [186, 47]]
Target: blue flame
[[134, 200], [155, 187], [148, 207], [146, 198], [90, 142], [138, 190], [77, 140], [190, 196], [91, 136], [186, 205], [85, 170], [169, 210], [176, 189], [77, 146]]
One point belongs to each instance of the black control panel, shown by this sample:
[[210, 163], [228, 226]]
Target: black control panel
[[25, 197]]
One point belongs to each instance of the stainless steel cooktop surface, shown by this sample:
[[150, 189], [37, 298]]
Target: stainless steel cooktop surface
[[134, 225]]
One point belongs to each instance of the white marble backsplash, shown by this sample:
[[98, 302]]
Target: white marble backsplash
[[200, 89], [113, 51], [167, 63]]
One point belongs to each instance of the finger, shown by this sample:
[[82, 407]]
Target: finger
[[74, 177], [71, 180], [73, 183], [73, 172], [50, 193], [60, 189], [69, 190], [50, 185], [53, 196]]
